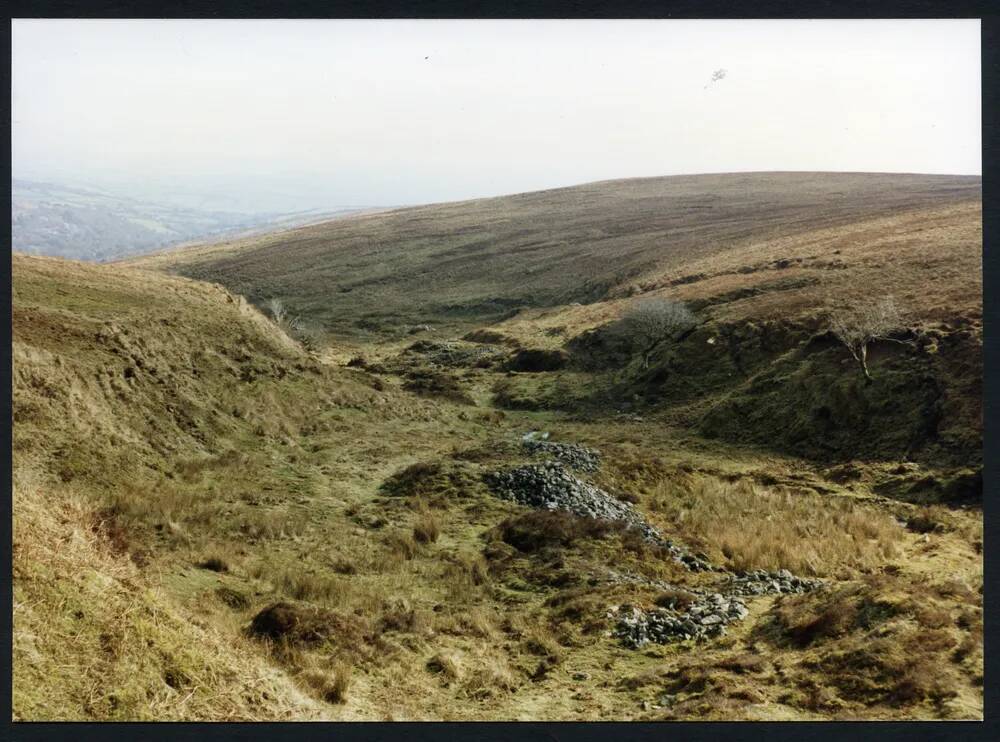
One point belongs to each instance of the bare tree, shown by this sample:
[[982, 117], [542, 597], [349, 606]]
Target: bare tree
[[649, 322], [861, 325], [277, 309], [281, 317]]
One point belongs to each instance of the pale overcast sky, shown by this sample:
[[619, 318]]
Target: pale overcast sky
[[305, 114]]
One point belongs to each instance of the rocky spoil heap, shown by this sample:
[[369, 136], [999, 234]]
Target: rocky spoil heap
[[706, 617], [550, 486], [761, 582], [572, 455]]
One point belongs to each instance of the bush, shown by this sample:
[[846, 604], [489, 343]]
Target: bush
[[541, 529], [431, 480], [535, 360], [677, 600], [296, 624], [650, 322], [233, 598], [214, 564], [443, 664], [433, 383], [399, 616], [415, 479]]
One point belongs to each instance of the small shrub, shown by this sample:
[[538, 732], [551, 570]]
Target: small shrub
[[296, 624], [233, 598], [743, 663], [677, 600], [541, 529], [308, 586], [214, 564], [401, 545], [929, 519], [536, 360], [344, 567], [434, 383], [491, 677], [400, 616], [650, 322], [465, 576], [434, 481]]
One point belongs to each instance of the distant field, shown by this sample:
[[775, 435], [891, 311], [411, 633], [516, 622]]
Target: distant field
[[476, 261]]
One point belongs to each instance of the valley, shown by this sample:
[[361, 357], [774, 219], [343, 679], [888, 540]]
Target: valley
[[450, 482]]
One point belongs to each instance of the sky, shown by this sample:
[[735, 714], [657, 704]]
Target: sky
[[271, 115]]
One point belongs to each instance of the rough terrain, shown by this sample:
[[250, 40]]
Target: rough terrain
[[422, 502]]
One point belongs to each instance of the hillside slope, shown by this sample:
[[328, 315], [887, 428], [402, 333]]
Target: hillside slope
[[210, 524], [476, 261], [762, 365], [119, 377]]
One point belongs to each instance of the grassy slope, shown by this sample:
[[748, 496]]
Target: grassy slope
[[460, 263], [177, 419], [760, 354]]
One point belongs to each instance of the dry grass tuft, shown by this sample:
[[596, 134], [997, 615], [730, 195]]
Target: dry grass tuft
[[426, 529], [444, 664], [753, 527], [133, 655], [491, 677], [308, 586], [339, 683]]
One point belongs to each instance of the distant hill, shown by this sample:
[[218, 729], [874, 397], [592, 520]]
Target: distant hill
[[483, 260], [89, 224]]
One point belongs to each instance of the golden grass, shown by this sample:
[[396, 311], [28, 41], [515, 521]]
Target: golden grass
[[754, 527], [274, 470], [132, 655]]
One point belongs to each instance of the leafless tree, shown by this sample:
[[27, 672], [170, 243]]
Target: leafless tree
[[277, 309], [859, 326], [649, 322], [281, 317]]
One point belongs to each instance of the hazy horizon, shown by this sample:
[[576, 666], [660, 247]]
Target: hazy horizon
[[297, 115]]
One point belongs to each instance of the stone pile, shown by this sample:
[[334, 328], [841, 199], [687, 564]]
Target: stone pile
[[762, 582], [705, 618], [550, 486], [572, 455]]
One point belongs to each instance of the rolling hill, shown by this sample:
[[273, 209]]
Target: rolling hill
[[89, 224], [460, 264]]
